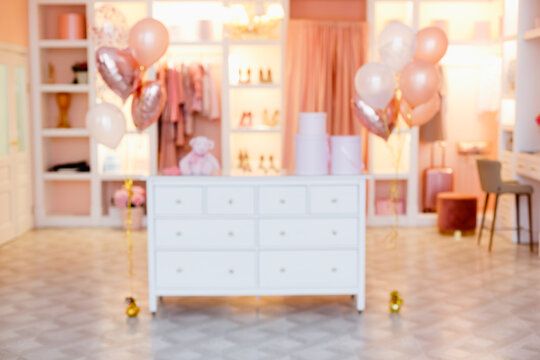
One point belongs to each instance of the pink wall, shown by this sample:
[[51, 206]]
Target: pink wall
[[329, 9], [14, 22]]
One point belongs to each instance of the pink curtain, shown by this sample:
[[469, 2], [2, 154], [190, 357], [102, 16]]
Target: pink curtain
[[322, 58]]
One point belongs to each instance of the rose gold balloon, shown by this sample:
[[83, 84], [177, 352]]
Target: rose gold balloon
[[147, 105], [118, 69], [378, 122], [418, 82], [148, 40], [431, 44], [421, 114]]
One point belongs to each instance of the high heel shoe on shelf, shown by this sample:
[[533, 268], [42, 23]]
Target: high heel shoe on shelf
[[244, 81], [246, 121], [268, 79], [270, 122]]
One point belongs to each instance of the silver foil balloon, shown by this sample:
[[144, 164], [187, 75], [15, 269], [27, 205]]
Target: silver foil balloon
[[119, 70], [147, 105], [378, 122]]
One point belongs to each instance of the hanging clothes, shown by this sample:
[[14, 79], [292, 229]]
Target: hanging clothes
[[192, 96]]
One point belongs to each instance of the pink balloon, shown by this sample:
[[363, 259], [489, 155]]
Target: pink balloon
[[431, 44], [421, 114], [148, 40], [147, 105], [418, 82], [118, 69], [378, 122], [106, 124]]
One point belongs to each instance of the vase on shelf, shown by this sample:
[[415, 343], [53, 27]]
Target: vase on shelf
[[81, 77], [137, 214], [63, 100]]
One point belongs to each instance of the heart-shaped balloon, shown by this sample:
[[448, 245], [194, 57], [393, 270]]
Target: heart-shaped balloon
[[147, 105], [119, 70], [378, 122]]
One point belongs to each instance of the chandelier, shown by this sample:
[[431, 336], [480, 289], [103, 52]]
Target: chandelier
[[256, 20]]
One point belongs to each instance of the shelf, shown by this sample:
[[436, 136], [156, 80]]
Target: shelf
[[65, 132], [475, 43], [256, 131], [255, 42], [507, 127], [532, 34], [63, 44], [68, 88], [195, 43], [50, 175], [254, 86], [400, 176], [121, 177]]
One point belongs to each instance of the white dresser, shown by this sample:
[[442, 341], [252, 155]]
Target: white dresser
[[287, 235]]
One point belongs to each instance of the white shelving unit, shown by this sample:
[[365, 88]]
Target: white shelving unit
[[138, 152], [461, 17], [519, 144]]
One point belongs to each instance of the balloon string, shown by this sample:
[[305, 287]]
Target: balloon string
[[129, 235]]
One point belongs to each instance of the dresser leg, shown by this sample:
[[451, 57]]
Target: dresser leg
[[152, 304], [360, 303]]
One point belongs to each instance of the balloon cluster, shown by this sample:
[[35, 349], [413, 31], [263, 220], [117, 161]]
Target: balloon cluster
[[123, 72], [406, 80]]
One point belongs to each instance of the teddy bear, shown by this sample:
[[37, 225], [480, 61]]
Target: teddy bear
[[199, 161]]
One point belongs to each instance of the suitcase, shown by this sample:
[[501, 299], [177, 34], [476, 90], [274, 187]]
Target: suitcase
[[436, 180]]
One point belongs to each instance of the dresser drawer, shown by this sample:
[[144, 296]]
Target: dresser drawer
[[311, 233], [186, 234], [308, 269], [528, 165], [171, 200], [333, 199], [282, 200], [200, 270], [230, 200]]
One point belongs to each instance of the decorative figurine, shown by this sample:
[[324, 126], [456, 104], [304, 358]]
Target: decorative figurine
[[64, 101]]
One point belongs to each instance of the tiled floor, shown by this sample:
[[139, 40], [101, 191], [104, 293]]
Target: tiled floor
[[61, 297]]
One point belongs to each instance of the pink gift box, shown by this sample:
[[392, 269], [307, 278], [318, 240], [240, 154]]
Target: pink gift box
[[384, 207], [71, 26]]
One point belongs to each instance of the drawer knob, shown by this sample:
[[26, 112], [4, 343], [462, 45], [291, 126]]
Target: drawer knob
[[178, 201], [231, 201], [282, 270], [282, 201], [179, 233], [334, 269], [282, 233], [231, 271], [334, 201], [334, 232], [231, 233], [179, 270]]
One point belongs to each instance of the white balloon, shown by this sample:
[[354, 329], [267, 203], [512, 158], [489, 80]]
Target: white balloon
[[106, 124], [397, 45], [375, 84]]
